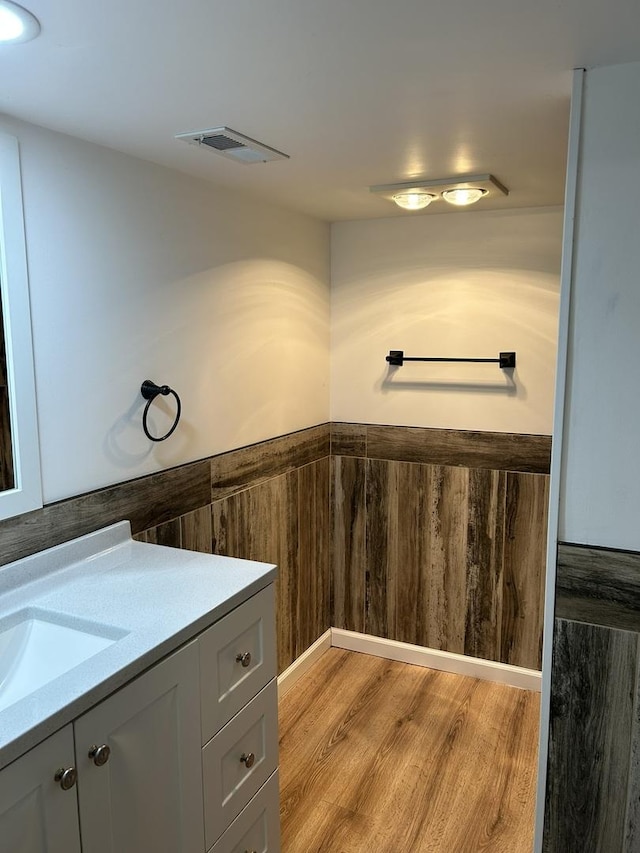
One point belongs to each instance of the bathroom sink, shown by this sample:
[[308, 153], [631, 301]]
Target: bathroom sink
[[37, 646]]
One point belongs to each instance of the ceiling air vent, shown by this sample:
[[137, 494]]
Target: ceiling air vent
[[230, 143]]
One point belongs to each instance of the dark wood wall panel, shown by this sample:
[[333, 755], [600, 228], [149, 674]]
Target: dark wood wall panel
[[348, 532], [313, 615], [261, 524], [240, 469], [598, 585], [196, 531], [592, 719], [485, 543], [492, 450], [348, 439], [147, 502], [380, 578], [593, 774], [525, 554], [191, 532], [452, 558], [444, 625], [285, 520]]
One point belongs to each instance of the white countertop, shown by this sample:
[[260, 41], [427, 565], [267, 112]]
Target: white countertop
[[153, 597]]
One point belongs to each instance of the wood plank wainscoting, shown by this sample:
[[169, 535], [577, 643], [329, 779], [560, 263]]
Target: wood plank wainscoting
[[593, 779], [433, 537], [439, 538]]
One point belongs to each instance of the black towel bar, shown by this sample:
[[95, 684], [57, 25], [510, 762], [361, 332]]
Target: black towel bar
[[505, 360]]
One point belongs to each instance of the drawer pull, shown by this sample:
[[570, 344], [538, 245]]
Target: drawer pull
[[99, 754], [248, 759], [66, 778], [244, 659]]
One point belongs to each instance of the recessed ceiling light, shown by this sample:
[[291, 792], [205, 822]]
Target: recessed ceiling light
[[460, 191], [464, 196], [413, 200], [16, 23]]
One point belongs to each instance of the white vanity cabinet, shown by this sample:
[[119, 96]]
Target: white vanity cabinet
[[36, 814], [138, 763], [140, 753]]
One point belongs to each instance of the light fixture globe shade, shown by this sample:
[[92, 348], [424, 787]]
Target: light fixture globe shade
[[413, 200], [463, 195], [16, 24]]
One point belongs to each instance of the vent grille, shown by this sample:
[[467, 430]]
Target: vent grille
[[236, 146], [222, 143]]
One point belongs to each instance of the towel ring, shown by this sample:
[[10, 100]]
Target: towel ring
[[150, 391]]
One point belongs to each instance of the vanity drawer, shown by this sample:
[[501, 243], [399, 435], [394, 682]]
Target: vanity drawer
[[257, 827], [237, 658], [239, 760]]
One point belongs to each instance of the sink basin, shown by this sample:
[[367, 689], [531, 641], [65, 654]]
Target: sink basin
[[37, 646]]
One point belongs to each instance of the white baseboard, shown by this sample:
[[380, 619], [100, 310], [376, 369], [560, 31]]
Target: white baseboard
[[502, 673], [302, 664]]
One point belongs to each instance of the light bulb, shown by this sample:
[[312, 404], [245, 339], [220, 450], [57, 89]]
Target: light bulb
[[16, 23], [463, 196], [413, 200]]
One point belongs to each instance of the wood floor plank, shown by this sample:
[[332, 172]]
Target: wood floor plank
[[381, 756], [329, 734]]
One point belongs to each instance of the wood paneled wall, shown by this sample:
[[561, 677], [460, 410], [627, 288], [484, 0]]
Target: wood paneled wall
[[436, 549], [270, 502], [593, 777], [439, 552]]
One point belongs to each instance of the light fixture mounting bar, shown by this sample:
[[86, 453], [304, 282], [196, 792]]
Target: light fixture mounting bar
[[485, 182]]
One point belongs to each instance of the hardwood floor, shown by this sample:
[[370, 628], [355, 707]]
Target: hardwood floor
[[384, 757]]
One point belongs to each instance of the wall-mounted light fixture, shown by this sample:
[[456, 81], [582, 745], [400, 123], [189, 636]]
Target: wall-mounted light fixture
[[462, 191], [16, 24]]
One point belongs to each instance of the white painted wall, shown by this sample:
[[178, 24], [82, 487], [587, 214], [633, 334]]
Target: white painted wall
[[464, 284], [600, 487], [140, 272]]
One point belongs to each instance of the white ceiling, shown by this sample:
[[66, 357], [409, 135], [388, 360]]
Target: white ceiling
[[357, 92]]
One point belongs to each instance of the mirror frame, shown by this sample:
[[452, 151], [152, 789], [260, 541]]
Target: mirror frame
[[14, 291]]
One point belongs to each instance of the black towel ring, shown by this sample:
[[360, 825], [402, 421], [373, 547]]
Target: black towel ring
[[150, 391]]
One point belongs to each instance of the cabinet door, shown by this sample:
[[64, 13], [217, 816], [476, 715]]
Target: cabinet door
[[148, 793], [36, 814]]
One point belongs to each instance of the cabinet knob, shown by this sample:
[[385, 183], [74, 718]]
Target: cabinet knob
[[244, 659], [66, 777], [99, 754], [247, 758]]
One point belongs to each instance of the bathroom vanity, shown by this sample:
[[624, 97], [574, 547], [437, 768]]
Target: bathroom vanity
[[138, 702]]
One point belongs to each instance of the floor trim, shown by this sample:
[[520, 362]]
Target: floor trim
[[501, 673], [301, 665]]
